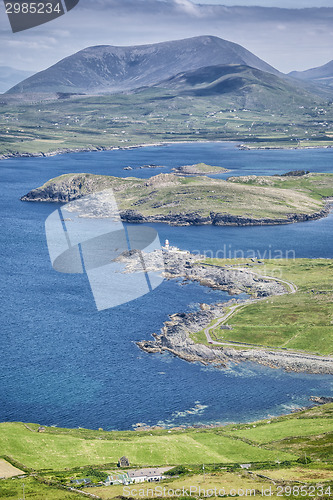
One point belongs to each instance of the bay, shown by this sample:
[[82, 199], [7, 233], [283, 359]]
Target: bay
[[63, 363]]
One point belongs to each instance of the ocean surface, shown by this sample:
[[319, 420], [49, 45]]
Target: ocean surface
[[64, 363]]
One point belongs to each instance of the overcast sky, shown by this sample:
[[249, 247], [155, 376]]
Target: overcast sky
[[289, 39], [295, 4]]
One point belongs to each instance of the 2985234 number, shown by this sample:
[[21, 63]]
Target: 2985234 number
[[303, 491], [33, 8]]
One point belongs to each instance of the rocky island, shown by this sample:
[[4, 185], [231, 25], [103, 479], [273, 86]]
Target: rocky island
[[184, 200], [199, 169]]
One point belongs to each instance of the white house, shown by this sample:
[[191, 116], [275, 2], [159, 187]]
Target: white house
[[149, 475]]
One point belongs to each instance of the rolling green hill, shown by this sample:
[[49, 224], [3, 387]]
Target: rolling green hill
[[246, 86], [53, 458]]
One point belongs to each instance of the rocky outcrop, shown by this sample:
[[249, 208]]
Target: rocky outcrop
[[199, 169], [234, 220], [67, 188], [219, 219], [175, 335], [322, 400], [175, 338]]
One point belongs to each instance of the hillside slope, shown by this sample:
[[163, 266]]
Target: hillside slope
[[322, 74], [246, 85], [110, 69]]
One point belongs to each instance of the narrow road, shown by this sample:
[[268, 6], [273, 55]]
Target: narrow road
[[292, 289]]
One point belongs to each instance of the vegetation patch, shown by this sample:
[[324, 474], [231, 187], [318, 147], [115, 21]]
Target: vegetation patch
[[297, 321]]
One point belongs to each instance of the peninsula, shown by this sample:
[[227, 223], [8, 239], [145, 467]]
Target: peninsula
[[273, 328]]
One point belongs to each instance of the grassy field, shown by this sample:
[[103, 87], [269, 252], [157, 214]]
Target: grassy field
[[58, 456], [57, 450], [219, 480], [315, 185], [300, 321], [33, 489], [158, 115], [167, 194]]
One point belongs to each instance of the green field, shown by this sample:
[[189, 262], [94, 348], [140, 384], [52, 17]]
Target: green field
[[301, 321], [56, 450], [157, 115], [317, 186], [53, 458]]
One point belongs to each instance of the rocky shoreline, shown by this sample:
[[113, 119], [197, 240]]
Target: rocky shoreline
[[175, 335], [175, 338], [215, 218]]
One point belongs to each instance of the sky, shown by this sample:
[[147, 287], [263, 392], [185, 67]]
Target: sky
[[295, 4], [289, 39]]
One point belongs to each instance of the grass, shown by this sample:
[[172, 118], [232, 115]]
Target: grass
[[57, 456], [59, 448], [157, 115], [309, 474], [277, 431], [220, 480], [56, 451], [167, 194], [12, 489], [315, 185], [301, 321], [201, 168]]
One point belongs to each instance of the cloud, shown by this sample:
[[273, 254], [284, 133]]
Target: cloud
[[287, 39], [187, 7]]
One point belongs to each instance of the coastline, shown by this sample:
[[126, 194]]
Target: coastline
[[217, 219], [94, 149], [175, 335], [175, 339]]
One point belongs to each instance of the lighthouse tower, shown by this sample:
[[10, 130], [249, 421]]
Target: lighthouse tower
[[167, 245]]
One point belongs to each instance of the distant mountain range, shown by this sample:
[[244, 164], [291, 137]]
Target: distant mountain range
[[322, 75], [105, 69], [201, 66], [11, 76]]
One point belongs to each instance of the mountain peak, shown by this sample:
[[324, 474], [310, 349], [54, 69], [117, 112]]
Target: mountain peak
[[107, 68]]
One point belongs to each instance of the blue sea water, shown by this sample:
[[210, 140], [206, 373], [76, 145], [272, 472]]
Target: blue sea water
[[64, 363]]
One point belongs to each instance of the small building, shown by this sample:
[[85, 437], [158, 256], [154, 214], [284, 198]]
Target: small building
[[115, 478], [85, 481], [245, 466], [149, 475], [41, 429], [123, 462]]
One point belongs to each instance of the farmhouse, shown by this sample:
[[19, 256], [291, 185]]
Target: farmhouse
[[149, 475], [136, 476]]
